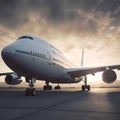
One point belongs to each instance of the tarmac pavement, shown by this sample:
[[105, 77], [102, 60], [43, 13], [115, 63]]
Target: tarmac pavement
[[68, 103]]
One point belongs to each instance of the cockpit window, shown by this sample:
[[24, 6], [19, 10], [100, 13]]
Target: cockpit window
[[28, 37]]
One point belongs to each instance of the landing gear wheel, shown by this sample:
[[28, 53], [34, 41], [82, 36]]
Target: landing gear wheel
[[57, 87], [49, 87], [30, 92], [33, 92], [88, 87], [27, 92], [83, 88], [46, 87]]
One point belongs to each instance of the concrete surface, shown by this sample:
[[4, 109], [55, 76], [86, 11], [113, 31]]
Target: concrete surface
[[66, 104]]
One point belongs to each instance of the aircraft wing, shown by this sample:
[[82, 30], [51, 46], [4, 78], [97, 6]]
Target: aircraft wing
[[77, 72], [3, 74]]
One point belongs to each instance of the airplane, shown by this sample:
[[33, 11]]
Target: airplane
[[35, 59]]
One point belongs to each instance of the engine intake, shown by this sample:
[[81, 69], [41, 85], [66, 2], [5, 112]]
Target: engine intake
[[12, 79], [109, 76]]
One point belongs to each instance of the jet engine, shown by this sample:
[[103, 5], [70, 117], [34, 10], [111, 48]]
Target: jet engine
[[12, 79], [109, 76]]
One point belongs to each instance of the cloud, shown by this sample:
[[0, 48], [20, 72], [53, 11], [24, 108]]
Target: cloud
[[17, 12], [11, 13], [92, 24]]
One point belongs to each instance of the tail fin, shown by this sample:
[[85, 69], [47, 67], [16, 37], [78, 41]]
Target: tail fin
[[82, 57]]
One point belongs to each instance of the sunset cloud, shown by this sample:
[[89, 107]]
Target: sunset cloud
[[68, 24]]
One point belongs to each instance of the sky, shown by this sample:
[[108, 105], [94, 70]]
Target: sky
[[69, 25]]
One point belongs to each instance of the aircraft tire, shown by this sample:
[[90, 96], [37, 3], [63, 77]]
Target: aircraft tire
[[83, 88], [27, 92], [30, 92], [33, 92], [47, 87], [57, 88], [88, 87]]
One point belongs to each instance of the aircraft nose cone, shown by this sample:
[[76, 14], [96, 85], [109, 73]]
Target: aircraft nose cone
[[8, 54]]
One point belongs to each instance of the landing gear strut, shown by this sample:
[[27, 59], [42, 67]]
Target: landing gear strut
[[31, 91], [85, 86], [47, 86]]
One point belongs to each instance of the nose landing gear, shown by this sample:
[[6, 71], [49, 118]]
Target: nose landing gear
[[31, 91]]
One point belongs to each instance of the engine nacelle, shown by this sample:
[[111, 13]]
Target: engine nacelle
[[109, 76], [12, 79]]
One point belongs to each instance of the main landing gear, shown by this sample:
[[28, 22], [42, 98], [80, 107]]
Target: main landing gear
[[57, 87], [31, 91], [47, 86], [84, 87]]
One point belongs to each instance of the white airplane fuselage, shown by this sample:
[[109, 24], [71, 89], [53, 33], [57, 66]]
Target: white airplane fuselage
[[36, 58]]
